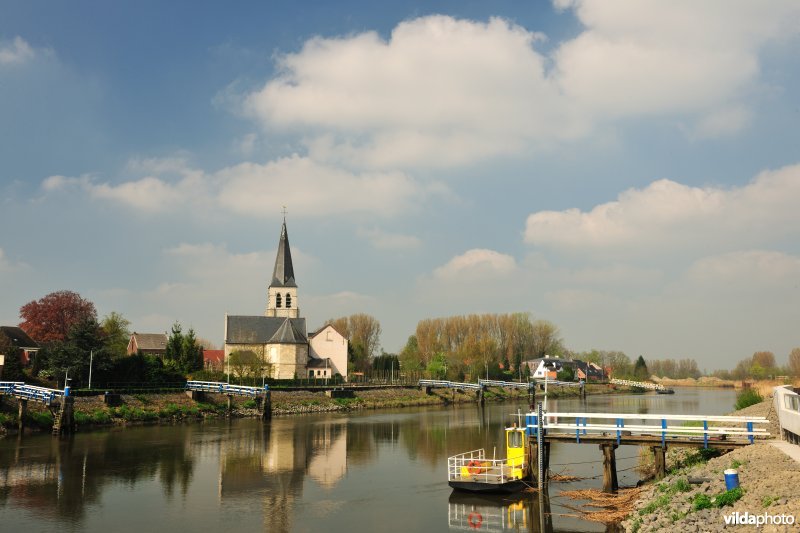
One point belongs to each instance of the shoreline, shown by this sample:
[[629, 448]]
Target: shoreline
[[689, 498], [167, 408]]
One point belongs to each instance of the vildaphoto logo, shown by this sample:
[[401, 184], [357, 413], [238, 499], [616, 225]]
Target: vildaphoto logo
[[749, 519]]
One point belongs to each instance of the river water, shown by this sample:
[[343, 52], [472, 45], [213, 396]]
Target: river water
[[383, 471]]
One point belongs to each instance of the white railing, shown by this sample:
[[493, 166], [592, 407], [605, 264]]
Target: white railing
[[7, 387], [32, 392], [614, 424], [225, 388], [474, 466], [448, 384], [637, 384], [509, 384]]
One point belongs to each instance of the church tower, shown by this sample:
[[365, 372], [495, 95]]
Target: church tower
[[282, 291]]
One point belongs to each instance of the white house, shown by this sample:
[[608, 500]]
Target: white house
[[328, 353]]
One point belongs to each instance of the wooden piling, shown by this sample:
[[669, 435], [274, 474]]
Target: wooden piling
[[545, 462], [21, 412], [660, 460], [230, 402], [480, 397], [609, 467]]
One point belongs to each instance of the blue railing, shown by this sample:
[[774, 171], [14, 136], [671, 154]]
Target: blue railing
[[30, 392]]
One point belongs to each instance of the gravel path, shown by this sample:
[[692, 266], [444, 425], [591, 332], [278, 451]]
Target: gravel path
[[767, 475]]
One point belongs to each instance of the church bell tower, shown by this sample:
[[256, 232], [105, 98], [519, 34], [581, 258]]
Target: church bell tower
[[282, 291]]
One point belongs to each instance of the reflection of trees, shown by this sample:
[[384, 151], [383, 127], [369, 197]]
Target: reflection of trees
[[60, 477]]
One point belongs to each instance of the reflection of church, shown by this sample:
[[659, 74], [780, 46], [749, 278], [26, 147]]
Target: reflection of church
[[280, 337], [274, 459]]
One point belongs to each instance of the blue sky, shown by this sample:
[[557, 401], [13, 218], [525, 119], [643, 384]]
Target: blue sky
[[626, 170]]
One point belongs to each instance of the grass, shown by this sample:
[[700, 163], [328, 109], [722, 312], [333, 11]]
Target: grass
[[250, 404], [700, 502], [766, 501], [41, 419], [658, 503], [736, 463], [636, 525], [729, 497], [746, 398], [7, 420]]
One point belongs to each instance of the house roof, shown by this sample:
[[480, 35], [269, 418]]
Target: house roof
[[18, 337], [314, 362], [150, 341], [323, 328], [262, 330], [214, 356], [283, 273]]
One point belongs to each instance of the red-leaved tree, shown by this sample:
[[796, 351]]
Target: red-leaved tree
[[50, 318]]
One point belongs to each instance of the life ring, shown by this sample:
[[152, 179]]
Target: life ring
[[475, 520], [475, 467]]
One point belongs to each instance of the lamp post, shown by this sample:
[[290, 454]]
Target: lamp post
[[91, 360]]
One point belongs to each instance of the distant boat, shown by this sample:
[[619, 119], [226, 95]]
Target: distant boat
[[474, 472], [665, 391]]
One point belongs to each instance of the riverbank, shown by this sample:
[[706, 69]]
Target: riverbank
[[692, 497], [91, 412]]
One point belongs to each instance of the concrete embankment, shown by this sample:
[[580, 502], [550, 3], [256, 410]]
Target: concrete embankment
[[768, 477]]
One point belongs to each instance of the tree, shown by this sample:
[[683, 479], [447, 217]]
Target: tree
[[544, 339], [191, 353], [765, 360], [640, 369], [51, 317], [117, 335], [174, 350], [207, 344], [12, 367], [363, 333], [410, 356], [84, 346], [794, 362]]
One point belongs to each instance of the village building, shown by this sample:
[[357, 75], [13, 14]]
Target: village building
[[280, 337], [148, 343]]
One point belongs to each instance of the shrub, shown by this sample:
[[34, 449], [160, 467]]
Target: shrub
[[42, 419], [101, 416], [661, 501], [746, 398], [82, 418], [701, 501], [729, 497], [250, 404]]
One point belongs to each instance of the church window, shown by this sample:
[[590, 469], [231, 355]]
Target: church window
[[288, 300], [278, 300]]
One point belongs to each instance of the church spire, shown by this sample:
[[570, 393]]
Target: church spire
[[283, 274]]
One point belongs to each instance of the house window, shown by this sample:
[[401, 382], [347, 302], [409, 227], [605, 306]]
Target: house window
[[277, 300], [288, 300]]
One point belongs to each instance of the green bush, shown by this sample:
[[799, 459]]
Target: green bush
[[701, 501], [169, 411], [6, 420], [101, 416], [746, 398], [42, 419], [661, 501], [250, 404], [729, 497], [82, 418]]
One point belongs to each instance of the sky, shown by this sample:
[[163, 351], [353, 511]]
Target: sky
[[628, 170]]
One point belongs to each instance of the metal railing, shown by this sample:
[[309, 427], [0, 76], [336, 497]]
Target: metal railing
[[474, 466], [226, 388], [30, 392], [448, 384], [614, 424], [509, 384]]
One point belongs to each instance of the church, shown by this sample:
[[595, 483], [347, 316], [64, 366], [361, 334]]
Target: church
[[280, 337]]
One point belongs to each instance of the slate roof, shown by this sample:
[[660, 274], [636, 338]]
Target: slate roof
[[18, 337], [283, 273], [150, 341], [315, 362], [265, 330]]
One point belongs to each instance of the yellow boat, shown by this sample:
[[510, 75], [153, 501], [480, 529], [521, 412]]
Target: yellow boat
[[474, 472]]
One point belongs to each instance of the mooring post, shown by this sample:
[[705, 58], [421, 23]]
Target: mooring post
[[230, 403], [660, 461], [532, 396], [266, 405], [23, 409], [480, 395], [583, 389], [68, 419], [609, 467], [546, 463]]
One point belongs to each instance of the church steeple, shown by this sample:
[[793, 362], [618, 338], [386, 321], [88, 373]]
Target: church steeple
[[282, 290], [283, 273]]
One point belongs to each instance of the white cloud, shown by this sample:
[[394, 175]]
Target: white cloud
[[666, 214], [747, 270], [389, 241], [313, 189], [441, 91], [476, 264], [16, 52], [257, 190], [6, 265]]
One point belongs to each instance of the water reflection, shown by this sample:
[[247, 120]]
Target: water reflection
[[309, 473]]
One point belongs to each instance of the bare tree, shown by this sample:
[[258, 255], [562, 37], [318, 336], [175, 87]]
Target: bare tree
[[794, 362]]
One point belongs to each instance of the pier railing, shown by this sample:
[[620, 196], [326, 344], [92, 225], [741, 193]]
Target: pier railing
[[30, 392], [474, 466], [628, 426], [436, 383]]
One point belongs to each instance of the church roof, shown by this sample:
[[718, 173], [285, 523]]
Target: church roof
[[283, 273], [265, 330], [288, 333]]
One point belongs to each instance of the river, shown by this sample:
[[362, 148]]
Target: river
[[383, 471]]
